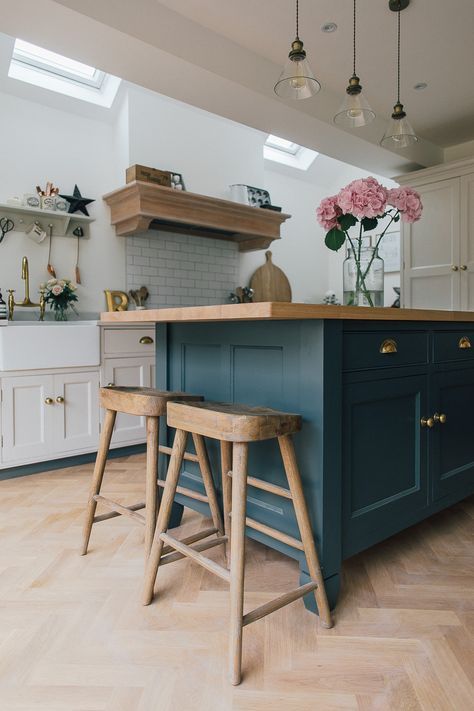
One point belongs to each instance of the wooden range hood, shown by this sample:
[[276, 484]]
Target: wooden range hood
[[140, 206]]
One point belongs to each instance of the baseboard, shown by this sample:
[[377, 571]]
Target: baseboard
[[38, 467]]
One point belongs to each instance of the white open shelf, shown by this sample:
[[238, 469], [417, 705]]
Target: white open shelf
[[63, 223]]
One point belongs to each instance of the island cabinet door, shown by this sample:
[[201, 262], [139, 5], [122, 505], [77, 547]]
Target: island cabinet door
[[452, 437], [384, 458]]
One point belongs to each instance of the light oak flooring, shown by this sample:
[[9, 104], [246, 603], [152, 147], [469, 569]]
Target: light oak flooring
[[74, 636]]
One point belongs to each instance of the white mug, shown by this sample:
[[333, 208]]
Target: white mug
[[239, 193], [35, 232]]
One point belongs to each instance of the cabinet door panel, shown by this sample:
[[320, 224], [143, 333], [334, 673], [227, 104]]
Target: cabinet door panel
[[452, 463], [76, 420], [384, 457], [128, 371], [431, 247], [26, 418]]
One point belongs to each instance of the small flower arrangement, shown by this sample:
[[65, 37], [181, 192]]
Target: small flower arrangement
[[59, 294], [365, 202]]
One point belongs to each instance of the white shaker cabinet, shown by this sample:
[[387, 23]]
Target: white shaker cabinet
[[27, 420], [76, 411], [128, 360], [48, 415], [438, 250]]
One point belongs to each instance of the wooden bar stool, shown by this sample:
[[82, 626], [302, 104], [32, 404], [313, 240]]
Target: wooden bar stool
[[235, 426], [149, 403]]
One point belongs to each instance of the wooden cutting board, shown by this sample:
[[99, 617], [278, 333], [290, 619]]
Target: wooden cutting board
[[270, 283]]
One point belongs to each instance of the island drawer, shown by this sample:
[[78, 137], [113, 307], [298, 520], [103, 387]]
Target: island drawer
[[453, 346], [124, 341], [384, 349]]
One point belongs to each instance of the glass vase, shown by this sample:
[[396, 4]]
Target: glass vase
[[363, 274], [60, 314]]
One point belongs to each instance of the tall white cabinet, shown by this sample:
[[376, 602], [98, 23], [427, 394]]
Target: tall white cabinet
[[438, 250]]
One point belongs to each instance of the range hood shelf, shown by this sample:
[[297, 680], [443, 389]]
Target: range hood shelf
[[140, 206]]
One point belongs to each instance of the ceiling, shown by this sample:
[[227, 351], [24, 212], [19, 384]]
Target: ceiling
[[225, 55]]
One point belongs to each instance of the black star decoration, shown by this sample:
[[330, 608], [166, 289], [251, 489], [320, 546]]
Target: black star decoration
[[77, 202]]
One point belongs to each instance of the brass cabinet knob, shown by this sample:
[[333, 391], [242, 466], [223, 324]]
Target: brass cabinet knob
[[60, 399], [388, 346], [463, 267], [440, 417], [145, 340], [454, 267], [110, 385], [427, 422], [464, 343], [49, 401]]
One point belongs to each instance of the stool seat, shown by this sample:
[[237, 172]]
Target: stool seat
[[144, 402], [231, 422]]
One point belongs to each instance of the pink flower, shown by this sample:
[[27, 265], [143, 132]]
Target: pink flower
[[57, 289], [327, 213], [363, 198], [407, 201]]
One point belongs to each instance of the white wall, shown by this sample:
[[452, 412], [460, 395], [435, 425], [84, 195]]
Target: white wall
[[40, 143]]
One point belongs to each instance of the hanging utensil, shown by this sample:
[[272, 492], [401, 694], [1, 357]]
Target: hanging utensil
[[50, 267], [6, 225], [78, 232]]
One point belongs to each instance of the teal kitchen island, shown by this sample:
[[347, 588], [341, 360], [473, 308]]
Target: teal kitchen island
[[386, 396]]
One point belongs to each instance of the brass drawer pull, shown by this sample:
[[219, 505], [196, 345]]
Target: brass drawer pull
[[388, 346], [463, 267], [440, 417], [427, 422], [49, 401], [464, 343], [454, 267], [60, 400], [145, 340]]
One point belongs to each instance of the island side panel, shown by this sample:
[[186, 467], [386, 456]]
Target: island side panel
[[278, 364]]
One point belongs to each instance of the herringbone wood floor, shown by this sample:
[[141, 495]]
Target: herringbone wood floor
[[74, 636]]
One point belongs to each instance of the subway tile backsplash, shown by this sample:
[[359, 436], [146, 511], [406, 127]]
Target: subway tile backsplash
[[182, 270]]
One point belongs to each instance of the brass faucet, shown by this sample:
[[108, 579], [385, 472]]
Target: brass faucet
[[25, 275]]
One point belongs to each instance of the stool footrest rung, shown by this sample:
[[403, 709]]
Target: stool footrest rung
[[201, 546], [119, 510], [198, 536], [267, 486], [273, 533], [186, 492], [186, 550], [113, 514], [278, 602], [187, 455]]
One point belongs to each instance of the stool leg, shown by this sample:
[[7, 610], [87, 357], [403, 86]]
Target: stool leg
[[206, 474], [164, 513], [102, 452], [294, 481], [151, 496], [226, 466], [237, 556]]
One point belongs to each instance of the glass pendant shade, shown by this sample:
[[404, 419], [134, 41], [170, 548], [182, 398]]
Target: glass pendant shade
[[297, 81], [399, 133], [355, 110]]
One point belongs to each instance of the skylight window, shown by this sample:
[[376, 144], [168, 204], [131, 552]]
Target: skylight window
[[53, 63], [49, 70], [281, 144], [287, 152]]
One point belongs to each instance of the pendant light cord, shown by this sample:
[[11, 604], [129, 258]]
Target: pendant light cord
[[354, 43], [398, 75], [297, 19]]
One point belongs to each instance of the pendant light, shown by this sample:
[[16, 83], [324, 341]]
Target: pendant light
[[297, 81], [355, 110], [399, 133]]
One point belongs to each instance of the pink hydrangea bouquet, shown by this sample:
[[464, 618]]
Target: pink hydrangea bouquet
[[59, 294], [364, 202]]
